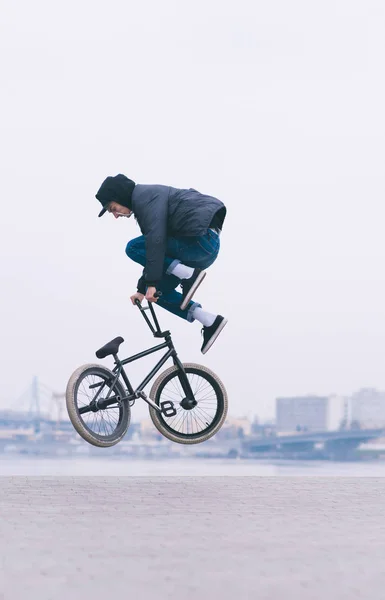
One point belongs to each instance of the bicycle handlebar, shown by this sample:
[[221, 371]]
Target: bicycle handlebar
[[157, 294], [155, 329]]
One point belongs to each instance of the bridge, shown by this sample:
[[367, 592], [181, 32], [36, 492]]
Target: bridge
[[38, 408]]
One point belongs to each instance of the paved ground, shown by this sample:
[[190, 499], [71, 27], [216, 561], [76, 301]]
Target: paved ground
[[195, 537]]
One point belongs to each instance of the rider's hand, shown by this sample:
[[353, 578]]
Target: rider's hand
[[150, 294], [137, 296]]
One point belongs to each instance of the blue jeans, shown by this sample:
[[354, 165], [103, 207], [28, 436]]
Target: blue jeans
[[194, 252]]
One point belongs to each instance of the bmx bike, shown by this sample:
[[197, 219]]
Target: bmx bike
[[187, 402]]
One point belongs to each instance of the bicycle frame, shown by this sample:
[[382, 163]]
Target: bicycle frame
[[118, 370]]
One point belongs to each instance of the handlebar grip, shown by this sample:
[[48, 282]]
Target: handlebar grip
[[157, 294]]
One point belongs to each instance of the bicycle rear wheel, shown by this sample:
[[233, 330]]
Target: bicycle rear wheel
[[101, 427], [190, 425]]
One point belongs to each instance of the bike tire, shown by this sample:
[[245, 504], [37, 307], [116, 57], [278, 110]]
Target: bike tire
[[220, 416], [102, 441]]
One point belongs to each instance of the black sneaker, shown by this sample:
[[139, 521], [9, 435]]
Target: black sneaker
[[190, 286], [211, 333]]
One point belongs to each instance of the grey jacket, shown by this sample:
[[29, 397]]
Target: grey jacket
[[163, 211]]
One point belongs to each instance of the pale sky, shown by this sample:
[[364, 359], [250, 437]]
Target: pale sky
[[276, 108]]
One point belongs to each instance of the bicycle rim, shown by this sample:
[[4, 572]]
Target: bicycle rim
[[105, 425], [195, 424]]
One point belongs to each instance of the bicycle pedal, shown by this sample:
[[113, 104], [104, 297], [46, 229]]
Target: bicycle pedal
[[168, 408]]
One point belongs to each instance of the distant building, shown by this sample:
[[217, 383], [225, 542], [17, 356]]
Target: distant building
[[367, 408], [309, 413]]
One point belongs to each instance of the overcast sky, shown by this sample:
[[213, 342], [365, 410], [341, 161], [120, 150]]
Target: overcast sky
[[276, 108]]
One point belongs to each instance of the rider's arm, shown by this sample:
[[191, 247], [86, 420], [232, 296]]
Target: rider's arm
[[141, 285], [152, 217]]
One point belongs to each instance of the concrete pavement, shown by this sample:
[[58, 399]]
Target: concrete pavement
[[193, 537]]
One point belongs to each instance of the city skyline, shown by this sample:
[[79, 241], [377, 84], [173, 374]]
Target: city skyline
[[48, 401]]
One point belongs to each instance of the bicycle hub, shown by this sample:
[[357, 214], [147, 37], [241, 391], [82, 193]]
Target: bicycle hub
[[188, 403]]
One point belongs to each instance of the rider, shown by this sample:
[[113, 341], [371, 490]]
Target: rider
[[181, 229]]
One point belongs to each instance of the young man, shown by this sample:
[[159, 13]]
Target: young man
[[181, 230]]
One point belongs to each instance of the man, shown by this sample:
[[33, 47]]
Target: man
[[181, 230]]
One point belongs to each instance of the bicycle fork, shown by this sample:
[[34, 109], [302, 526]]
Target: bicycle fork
[[188, 401]]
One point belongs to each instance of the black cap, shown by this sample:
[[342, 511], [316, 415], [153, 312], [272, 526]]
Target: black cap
[[115, 189]]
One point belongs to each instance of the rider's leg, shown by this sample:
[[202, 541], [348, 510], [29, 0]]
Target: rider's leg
[[197, 253], [213, 324], [136, 250], [170, 300], [182, 254], [194, 256]]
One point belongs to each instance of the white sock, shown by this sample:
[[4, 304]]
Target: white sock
[[204, 317], [182, 271]]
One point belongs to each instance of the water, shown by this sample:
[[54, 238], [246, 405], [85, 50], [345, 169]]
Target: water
[[34, 466]]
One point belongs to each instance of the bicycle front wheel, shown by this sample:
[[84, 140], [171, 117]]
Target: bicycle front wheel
[[88, 387], [190, 425]]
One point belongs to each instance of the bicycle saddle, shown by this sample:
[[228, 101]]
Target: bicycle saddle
[[111, 348]]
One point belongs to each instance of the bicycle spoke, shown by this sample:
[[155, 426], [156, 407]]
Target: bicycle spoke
[[203, 415], [196, 417], [177, 425], [198, 422], [103, 422], [175, 386], [195, 420], [201, 384]]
